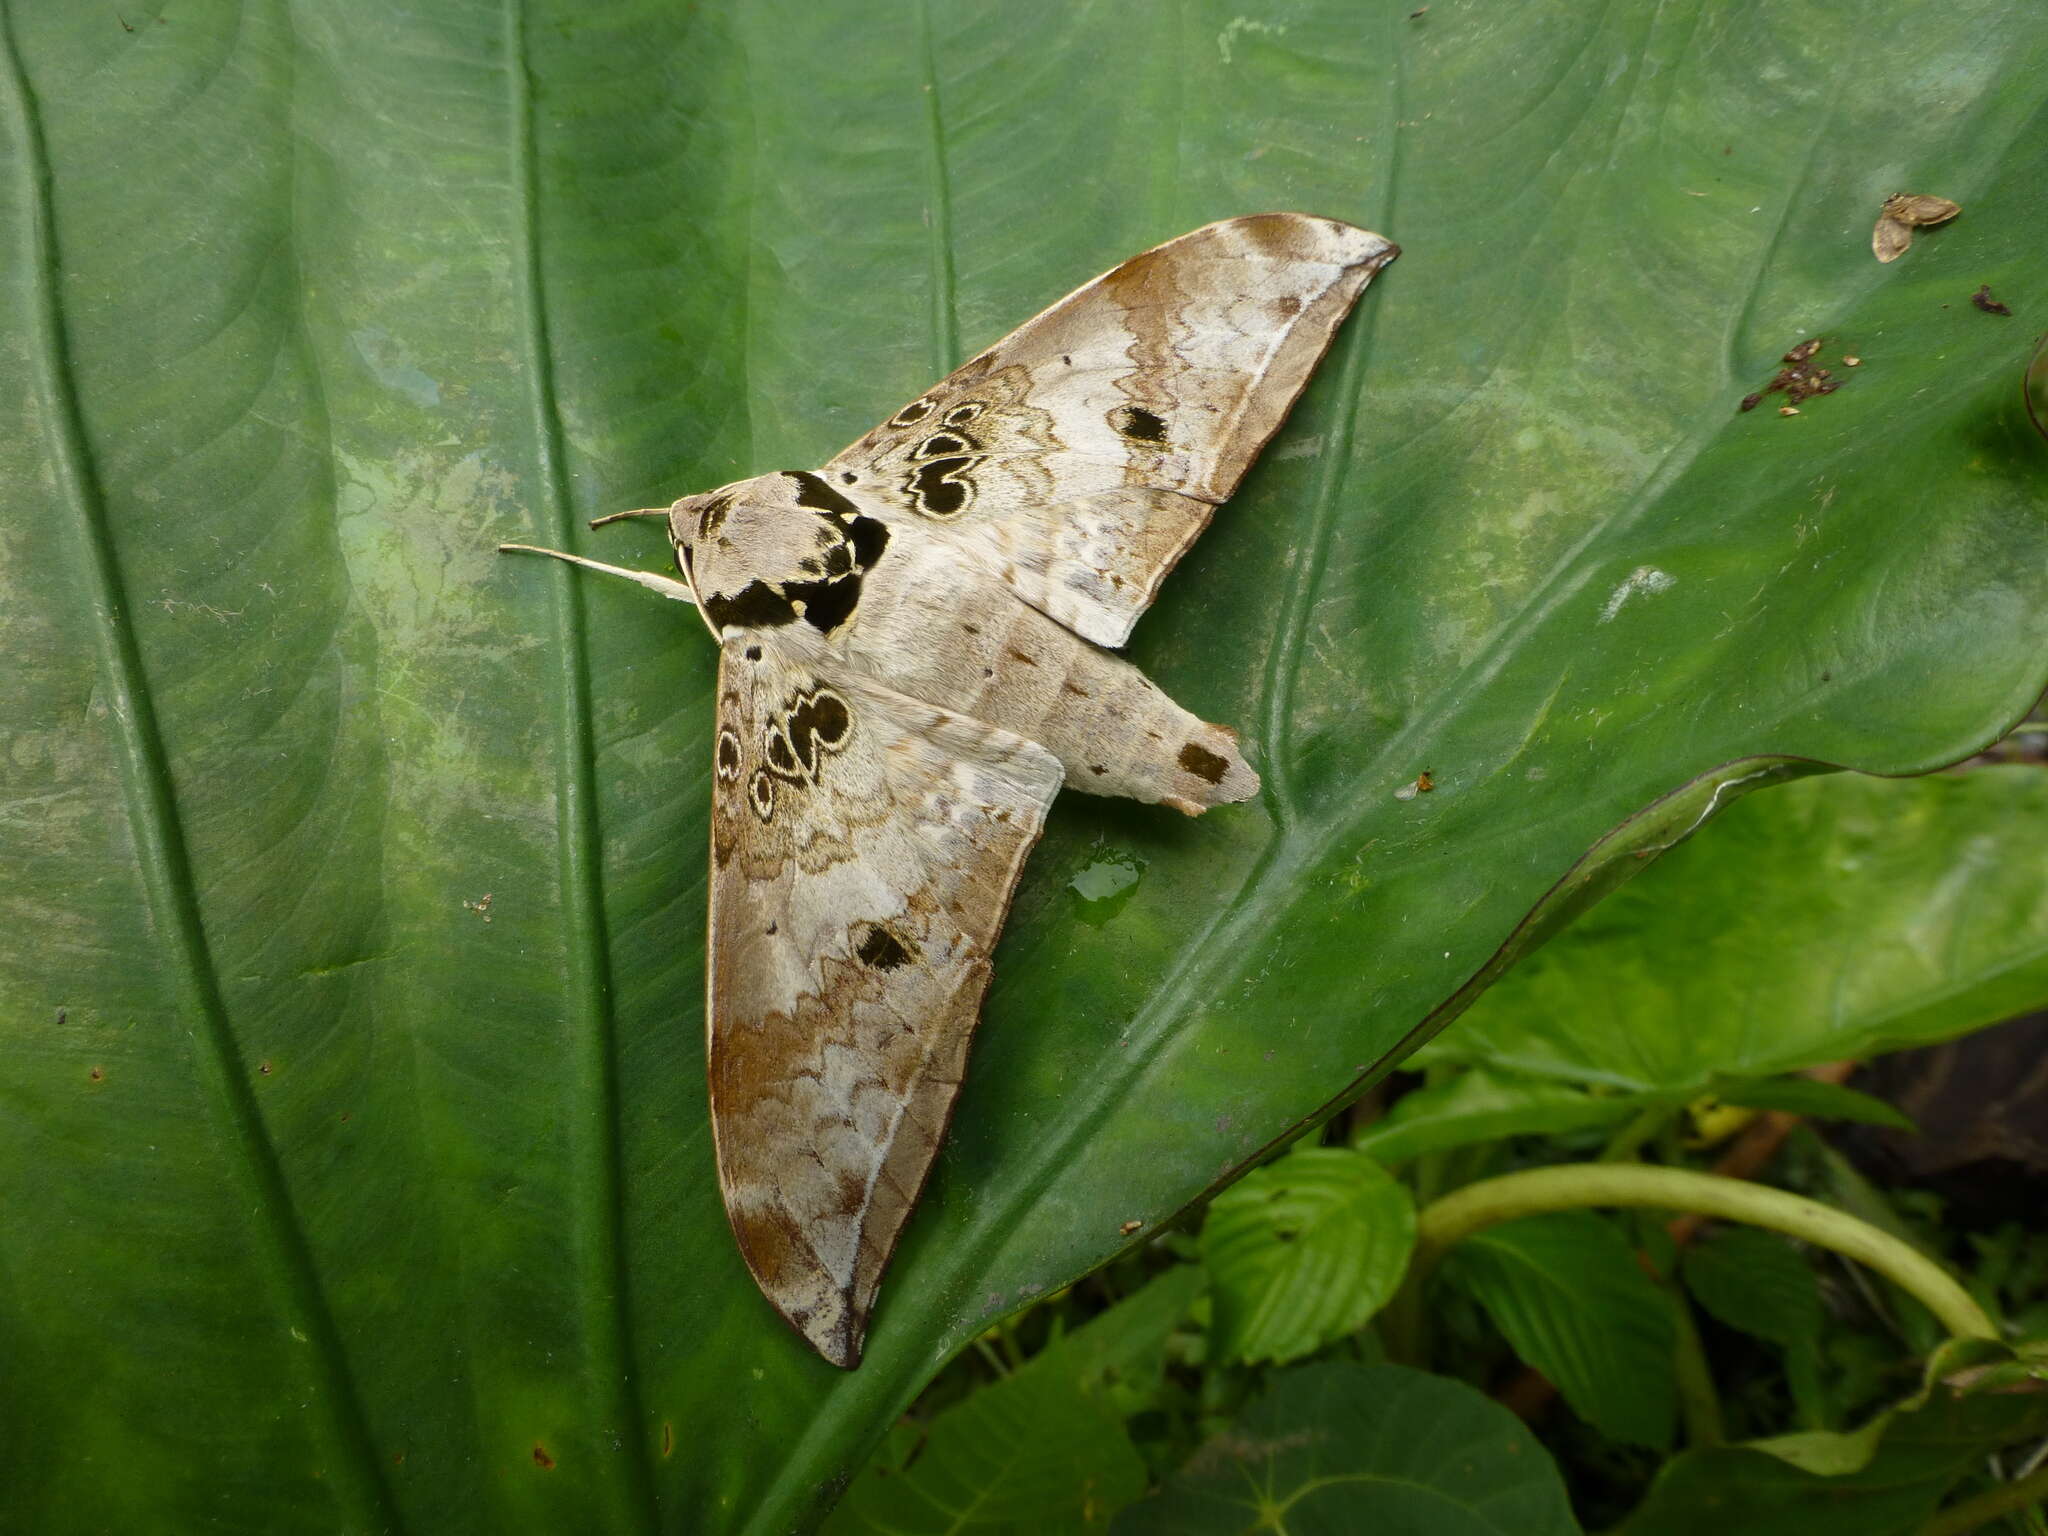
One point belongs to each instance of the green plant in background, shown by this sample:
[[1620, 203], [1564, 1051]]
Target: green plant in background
[[355, 1167], [1523, 1262]]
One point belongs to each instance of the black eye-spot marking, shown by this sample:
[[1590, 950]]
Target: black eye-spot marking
[[753, 653], [963, 413], [815, 722], [940, 444], [882, 950], [911, 414], [761, 794], [941, 487], [847, 477], [822, 716], [728, 754], [1138, 424]]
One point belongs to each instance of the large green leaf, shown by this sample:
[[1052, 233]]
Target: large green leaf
[[1336, 1448], [355, 1164], [1837, 918]]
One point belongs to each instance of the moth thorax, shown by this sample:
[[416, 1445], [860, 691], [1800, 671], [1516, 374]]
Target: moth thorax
[[781, 549]]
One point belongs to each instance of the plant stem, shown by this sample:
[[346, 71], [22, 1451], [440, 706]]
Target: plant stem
[[1697, 1399], [1537, 1190], [1626, 1142], [1976, 1513]]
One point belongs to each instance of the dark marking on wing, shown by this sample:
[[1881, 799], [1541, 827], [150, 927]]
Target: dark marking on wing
[[818, 496], [940, 487], [869, 537], [1203, 763], [818, 722], [1138, 424], [757, 605], [882, 950], [728, 754]]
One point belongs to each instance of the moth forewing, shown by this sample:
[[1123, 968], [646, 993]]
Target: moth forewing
[[864, 849]]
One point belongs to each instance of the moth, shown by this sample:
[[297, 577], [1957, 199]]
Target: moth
[[916, 650]]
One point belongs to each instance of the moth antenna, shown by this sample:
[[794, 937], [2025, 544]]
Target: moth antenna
[[667, 586], [613, 517]]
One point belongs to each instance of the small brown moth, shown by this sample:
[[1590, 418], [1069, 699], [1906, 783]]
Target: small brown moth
[[911, 662]]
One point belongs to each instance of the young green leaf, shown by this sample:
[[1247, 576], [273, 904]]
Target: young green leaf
[[1568, 1294], [1810, 1097], [1755, 1281], [1304, 1251], [1486, 1104]]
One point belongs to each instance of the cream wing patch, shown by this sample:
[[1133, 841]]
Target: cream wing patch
[[864, 851], [1078, 458]]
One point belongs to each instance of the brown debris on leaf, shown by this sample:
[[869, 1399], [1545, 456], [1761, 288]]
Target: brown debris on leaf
[[1902, 213], [1800, 379], [1983, 300]]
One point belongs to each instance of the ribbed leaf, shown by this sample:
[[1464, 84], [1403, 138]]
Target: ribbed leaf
[[1303, 1252], [1568, 1294], [352, 1142]]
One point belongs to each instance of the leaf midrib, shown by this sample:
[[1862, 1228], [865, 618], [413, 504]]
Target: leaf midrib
[[600, 1212], [162, 856]]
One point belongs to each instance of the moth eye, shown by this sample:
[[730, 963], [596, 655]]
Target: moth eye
[[728, 754], [1138, 424], [960, 415], [912, 414], [761, 794]]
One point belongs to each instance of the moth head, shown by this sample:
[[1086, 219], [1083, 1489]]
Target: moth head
[[778, 549]]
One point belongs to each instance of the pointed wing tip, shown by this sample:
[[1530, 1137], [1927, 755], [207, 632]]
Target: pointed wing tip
[[838, 1331]]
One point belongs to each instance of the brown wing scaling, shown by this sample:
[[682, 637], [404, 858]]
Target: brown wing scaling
[[1080, 456], [864, 850]]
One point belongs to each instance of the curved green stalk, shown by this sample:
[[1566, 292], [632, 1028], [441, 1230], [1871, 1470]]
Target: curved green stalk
[[1974, 1514], [1539, 1190]]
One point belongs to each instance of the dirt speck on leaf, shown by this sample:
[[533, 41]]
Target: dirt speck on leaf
[[1983, 300]]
